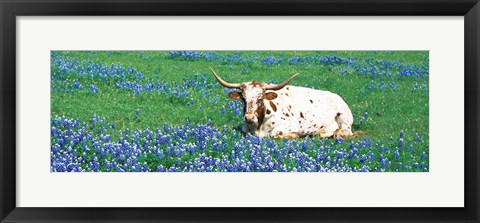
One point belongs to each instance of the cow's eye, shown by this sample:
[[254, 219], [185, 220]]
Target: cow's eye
[[234, 95]]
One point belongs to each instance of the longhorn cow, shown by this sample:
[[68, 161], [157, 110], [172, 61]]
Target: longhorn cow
[[285, 111]]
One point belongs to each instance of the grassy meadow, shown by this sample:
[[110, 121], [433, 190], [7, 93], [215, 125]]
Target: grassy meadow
[[139, 111]]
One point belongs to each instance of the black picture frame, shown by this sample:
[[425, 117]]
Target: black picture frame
[[9, 212]]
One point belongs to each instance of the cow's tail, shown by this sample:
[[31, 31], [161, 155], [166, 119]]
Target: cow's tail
[[358, 134]]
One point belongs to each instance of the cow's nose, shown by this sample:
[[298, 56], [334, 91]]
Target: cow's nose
[[250, 118]]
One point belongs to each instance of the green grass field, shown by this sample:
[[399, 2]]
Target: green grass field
[[387, 92]]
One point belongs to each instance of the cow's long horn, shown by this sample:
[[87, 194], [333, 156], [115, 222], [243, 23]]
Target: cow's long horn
[[280, 86], [224, 83]]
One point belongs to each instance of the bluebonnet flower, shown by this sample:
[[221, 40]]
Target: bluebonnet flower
[[418, 138], [93, 89], [397, 154], [191, 102], [271, 60]]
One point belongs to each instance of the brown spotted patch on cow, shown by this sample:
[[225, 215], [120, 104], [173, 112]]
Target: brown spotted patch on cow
[[268, 111], [257, 84], [311, 101], [286, 94], [286, 114], [273, 123], [289, 106], [261, 116], [273, 106], [271, 95], [301, 115]]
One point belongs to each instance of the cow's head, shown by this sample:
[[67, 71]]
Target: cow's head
[[253, 94]]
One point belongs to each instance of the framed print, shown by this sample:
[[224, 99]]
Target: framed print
[[240, 111]]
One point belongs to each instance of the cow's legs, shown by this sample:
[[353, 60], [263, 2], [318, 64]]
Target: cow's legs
[[341, 133], [326, 131], [280, 135], [344, 129], [291, 136]]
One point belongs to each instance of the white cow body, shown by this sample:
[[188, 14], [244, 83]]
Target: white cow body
[[283, 111], [303, 111]]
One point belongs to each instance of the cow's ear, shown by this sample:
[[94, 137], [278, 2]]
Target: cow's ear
[[271, 95], [234, 95]]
